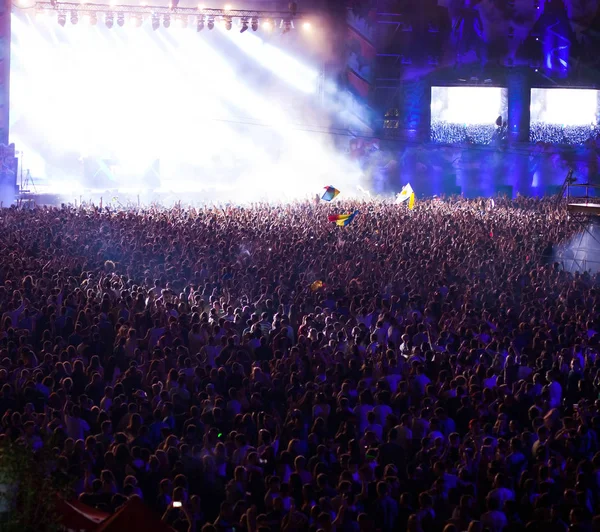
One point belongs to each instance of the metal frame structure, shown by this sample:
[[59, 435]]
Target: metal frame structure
[[584, 210], [286, 17]]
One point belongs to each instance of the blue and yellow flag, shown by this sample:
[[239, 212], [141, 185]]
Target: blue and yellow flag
[[342, 219]]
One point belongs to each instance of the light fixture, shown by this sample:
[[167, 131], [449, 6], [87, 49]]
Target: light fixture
[[227, 7], [120, 19], [307, 26], [286, 25], [109, 20], [93, 18], [293, 7], [254, 23], [228, 23], [137, 20], [166, 21], [62, 19], [181, 22], [200, 26], [74, 17], [211, 23], [244, 25], [267, 25], [155, 21]]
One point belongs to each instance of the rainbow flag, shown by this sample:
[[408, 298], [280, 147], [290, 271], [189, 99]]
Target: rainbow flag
[[342, 219], [330, 193]]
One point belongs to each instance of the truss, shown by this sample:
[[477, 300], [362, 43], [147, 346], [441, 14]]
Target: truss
[[66, 7]]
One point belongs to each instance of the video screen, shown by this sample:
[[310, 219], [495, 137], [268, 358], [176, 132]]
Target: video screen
[[564, 116], [467, 114]]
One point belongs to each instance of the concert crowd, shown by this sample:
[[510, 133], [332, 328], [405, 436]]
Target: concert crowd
[[259, 369]]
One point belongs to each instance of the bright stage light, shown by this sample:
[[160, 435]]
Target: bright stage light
[[181, 22], [228, 22], [200, 7], [85, 18], [227, 7], [307, 26], [236, 134], [137, 20], [267, 25]]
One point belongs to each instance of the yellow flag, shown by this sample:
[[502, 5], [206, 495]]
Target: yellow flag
[[411, 201]]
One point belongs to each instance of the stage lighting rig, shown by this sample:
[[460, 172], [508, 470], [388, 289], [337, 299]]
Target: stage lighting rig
[[162, 14], [62, 19]]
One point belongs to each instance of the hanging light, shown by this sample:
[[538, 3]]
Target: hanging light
[[166, 21], [181, 22], [120, 19], [254, 23], [62, 19], [74, 17], [244, 25], [93, 18], [286, 25], [155, 21], [200, 26], [137, 20], [211, 22], [228, 23], [109, 20]]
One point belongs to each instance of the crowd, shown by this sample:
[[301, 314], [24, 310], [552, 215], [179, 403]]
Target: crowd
[[260, 369]]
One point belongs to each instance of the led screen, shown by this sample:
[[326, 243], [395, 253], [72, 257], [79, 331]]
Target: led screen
[[564, 116], [466, 114]]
